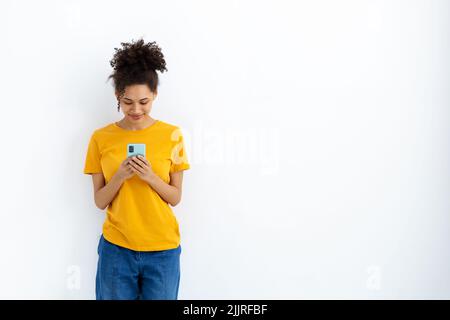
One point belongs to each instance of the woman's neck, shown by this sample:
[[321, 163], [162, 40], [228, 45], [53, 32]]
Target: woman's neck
[[144, 123]]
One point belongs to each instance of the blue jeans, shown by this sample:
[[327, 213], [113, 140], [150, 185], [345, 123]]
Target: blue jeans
[[124, 274]]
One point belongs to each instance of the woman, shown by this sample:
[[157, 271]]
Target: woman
[[139, 249]]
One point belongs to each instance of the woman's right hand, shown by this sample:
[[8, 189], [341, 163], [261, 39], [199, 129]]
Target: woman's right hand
[[125, 170]]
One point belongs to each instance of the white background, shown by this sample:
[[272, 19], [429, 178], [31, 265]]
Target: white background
[[317, 133]]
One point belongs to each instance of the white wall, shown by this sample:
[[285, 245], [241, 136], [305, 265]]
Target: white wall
[[318, 133]]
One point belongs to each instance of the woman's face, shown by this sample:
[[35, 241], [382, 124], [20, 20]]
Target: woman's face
[[136, 102]]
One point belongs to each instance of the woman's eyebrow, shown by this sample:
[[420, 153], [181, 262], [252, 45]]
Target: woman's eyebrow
[[132, 100]]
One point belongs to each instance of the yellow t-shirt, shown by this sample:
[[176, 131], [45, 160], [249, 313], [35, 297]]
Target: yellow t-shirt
[[138, 218]]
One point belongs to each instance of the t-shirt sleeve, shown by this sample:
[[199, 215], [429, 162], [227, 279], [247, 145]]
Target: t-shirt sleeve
[[179, 160], [92, 162]]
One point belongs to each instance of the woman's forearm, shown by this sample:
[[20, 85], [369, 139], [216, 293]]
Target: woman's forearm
[[167, 192], [106, 194]]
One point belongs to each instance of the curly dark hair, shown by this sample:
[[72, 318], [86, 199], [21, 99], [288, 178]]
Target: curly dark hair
[[136, 63]]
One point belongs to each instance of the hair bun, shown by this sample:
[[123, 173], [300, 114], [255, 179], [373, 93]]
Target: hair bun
[[138, 56]]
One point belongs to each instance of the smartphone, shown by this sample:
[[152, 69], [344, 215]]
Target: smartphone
[[133, 149]]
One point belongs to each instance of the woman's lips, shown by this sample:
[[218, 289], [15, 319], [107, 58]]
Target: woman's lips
[[135, 117]]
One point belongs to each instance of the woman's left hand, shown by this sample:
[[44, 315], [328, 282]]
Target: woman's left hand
[[142, 168]]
